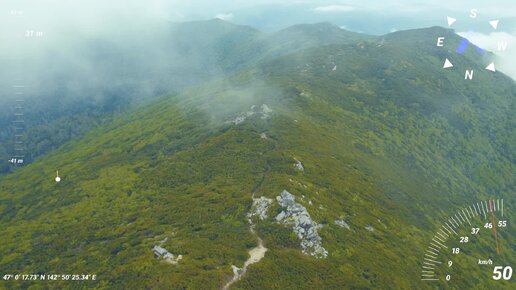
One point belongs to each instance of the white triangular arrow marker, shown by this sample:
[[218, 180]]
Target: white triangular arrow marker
[[494, 23], [447, 64], [451, 20], [491, 67]]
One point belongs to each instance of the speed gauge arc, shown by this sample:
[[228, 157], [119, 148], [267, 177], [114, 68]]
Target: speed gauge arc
[[471, 243]]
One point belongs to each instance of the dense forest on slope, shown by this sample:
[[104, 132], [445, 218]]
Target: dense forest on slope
[[389, 142], [78, 94]]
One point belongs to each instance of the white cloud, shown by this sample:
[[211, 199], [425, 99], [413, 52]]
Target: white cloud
[[489, 41], [494, 42], [334, 8], [225, 16]]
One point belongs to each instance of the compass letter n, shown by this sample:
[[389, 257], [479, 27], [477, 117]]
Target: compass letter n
[[468, 75]]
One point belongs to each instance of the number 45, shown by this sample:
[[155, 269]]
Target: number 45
[[501, 272]]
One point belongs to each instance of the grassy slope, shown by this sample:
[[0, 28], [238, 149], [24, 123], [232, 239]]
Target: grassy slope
[[373, 156]]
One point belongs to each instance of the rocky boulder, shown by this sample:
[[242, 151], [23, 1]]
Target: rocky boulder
[[296, 215], [260, 207]]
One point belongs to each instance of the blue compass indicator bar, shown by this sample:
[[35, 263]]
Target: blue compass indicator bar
[[464, 45]]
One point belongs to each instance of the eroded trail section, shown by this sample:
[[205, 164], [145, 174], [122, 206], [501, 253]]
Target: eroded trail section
[[259, 209], [260, 206], [255, 255]]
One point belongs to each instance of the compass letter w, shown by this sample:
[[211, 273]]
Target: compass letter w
[[502, 45]]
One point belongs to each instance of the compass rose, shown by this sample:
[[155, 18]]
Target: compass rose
[[461, 48]]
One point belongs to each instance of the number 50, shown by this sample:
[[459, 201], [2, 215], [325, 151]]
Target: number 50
[[501, 272]]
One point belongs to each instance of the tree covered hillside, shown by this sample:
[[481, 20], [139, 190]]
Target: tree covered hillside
[[68, 94], [371, 133]]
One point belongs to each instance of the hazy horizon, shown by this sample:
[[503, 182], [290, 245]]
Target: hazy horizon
[[100, 19]]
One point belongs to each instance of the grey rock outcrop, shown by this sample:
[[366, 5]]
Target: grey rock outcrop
[[304, 227], [299, 166], [263, 111], [342, 223], [162, 253], [260, 207]]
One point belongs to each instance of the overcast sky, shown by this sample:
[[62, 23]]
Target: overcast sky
[[268, 14], [371, 16]]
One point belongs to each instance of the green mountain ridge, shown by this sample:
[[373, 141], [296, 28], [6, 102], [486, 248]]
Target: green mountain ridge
[[129, 70], [390, 143]]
